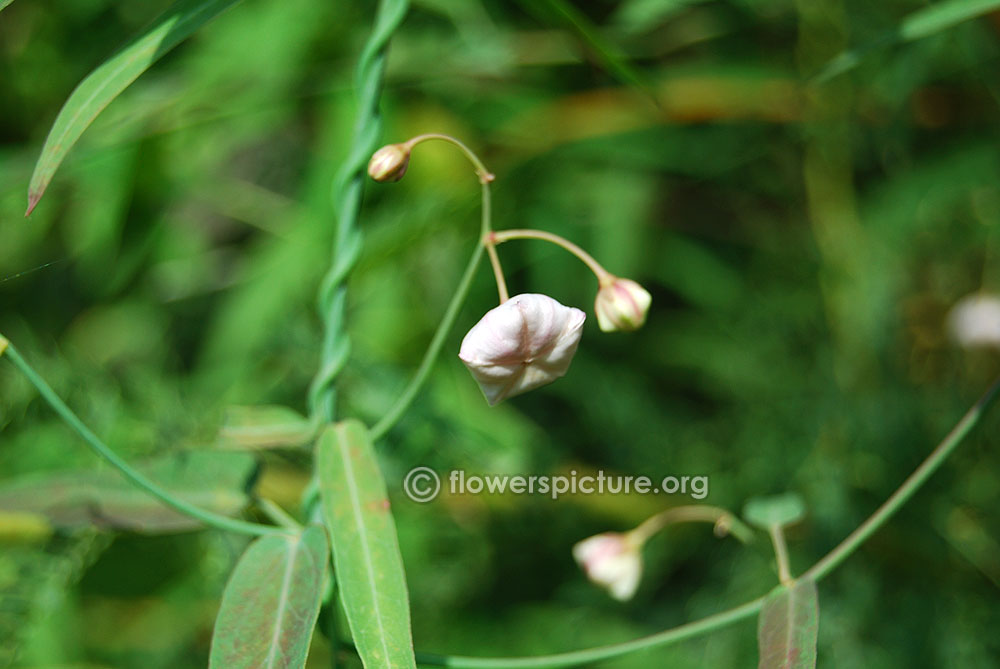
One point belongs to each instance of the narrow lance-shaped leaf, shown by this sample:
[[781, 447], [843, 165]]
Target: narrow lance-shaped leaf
[[271, 603], [366, 554], [112, 77], [4, 3], [788, 625]]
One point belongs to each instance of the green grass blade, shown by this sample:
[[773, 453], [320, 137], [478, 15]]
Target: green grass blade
[[615, 61], [112, 77], [787, 627], [916, 25], [271, 603], [366, 554]]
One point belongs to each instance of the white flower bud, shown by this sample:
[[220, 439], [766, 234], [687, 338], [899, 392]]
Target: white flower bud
[[612, 561], [389, 163], [975, 321], [526, 342], [622, 305]]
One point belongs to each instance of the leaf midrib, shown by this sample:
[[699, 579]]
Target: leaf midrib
[[293, 549], [789, 626], [343, 445]]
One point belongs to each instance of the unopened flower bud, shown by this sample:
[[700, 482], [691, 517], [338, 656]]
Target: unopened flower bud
[[975, 321], [612, 561], [621, 305], [389, 163], [526, 342]]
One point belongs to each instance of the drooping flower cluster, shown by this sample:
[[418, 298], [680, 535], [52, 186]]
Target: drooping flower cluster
[[529, 340]]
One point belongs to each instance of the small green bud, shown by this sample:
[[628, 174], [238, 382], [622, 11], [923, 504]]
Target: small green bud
[[389, 163]]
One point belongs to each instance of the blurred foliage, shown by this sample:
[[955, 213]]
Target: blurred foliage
[[802, 242]]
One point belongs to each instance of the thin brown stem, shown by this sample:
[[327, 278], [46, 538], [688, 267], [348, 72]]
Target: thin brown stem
[[485, 176], [694, 513], [491, 251]]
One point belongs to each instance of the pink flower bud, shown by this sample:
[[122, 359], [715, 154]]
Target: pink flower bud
[[612, 561], [526, 342], [621, 305], [389, 163]]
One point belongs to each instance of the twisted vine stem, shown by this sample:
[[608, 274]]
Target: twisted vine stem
[[347, 192]]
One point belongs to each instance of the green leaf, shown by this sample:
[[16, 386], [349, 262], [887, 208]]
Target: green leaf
[[4, 3], [212, 481], [916, 25], [779, 510], [260, 427], [111, 78], [271, 603], [366, 554], [787, 627]]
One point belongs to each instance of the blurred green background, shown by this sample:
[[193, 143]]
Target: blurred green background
[[803, 243]]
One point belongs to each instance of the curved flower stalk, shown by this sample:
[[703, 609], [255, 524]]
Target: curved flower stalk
[[621, 304], [526, 342]]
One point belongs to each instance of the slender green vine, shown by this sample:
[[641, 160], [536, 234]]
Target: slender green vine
[[410, 392], [347, 193], [103, 450]]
